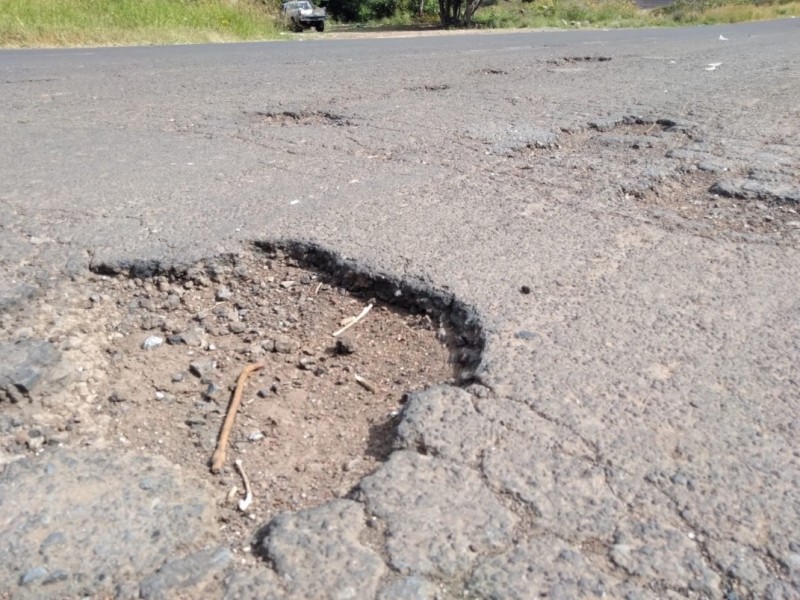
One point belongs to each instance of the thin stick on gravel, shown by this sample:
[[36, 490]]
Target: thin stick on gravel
[[244, 503], [218, 458], [361, 315], [365, 383]]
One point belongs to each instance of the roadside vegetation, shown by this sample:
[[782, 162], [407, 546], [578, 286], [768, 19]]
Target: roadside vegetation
[[26, 23], [32, 23], [625, 13]]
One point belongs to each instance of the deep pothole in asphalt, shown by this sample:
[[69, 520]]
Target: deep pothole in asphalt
[[154, 361]]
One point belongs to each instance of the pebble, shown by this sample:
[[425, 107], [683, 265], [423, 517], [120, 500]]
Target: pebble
[[178, 377], [117, 397], [283, 344], [345, 345], [307, 363], [34, 443], [256, 436], [202, 368], [190, 337], [32, 575], [212, 391], [287, 284], [152, 341], [223, 293], [237, 327]]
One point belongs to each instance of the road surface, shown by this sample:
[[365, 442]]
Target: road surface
[[618, 207]]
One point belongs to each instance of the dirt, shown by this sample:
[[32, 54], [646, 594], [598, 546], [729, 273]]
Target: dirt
[[307, 430]]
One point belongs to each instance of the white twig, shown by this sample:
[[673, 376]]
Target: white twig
[[364, 383], [363, 314], [316, 291], [245, 502]]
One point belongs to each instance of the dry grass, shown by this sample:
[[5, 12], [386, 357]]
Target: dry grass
[[625, 13], [37, 23]]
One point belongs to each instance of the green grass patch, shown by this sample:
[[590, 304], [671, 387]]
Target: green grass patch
[[707, 12], [543, 14], [29, 23]]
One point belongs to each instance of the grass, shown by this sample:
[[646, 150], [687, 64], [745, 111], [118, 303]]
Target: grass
[[543, 14], [37, 23], [48, 23], [707, 12]]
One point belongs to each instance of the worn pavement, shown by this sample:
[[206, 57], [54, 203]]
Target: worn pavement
[[633, 429]]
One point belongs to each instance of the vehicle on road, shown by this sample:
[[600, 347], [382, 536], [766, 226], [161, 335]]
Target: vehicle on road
[[302, 15]]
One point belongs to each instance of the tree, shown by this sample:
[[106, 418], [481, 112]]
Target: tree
[[457, 12]]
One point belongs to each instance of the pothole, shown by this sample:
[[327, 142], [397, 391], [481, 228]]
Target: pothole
[[429, 88], [673, 172], [152, 363], [578, 59], [288, 118]]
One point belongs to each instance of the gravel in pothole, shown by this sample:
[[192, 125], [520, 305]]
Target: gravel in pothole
[[150, 366]]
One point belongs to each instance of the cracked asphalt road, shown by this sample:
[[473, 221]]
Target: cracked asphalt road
[[635, 428]]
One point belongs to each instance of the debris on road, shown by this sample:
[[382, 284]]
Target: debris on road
[[245, 502], [354, 320], [365, 383], [218, 459]]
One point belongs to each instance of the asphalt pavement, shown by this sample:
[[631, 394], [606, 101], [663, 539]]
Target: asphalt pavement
[[633, 427]]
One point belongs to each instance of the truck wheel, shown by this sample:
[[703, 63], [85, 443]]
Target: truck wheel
[[320, 26]]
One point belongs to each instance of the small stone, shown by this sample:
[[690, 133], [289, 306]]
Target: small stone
[[263, 393], [195, 419], [34, 443], [524, 334], [202, 368], [237, 327], [256, 436], [190, 337], [307, 363], [351, 464], [32, 575], [117, 397], [287, 284], [283, 344], [212, 391], [55, 577], [345, 345], [223, 293], [178, 377], [525, 289], [152, 342]]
